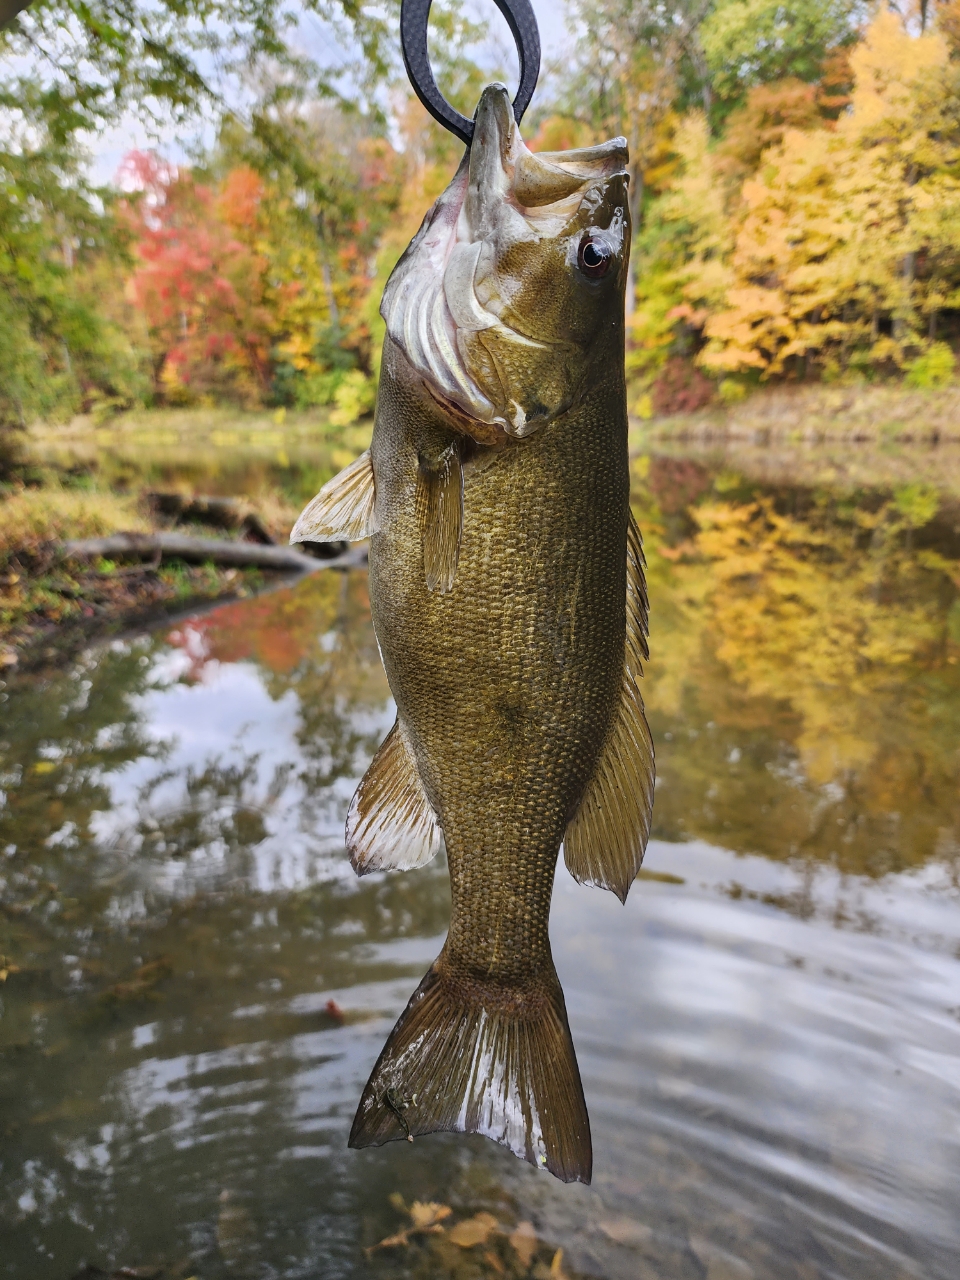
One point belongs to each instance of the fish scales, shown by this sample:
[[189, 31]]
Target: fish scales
[[508, 599], [508, 706]]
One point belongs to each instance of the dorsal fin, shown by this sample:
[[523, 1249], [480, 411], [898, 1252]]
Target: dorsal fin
[[391, 825], [605, 840], [440, 498], [343, 510]]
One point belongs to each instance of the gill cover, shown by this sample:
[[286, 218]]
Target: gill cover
[[494, 303]]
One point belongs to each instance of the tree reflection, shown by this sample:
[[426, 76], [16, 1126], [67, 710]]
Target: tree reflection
[[804, 685]]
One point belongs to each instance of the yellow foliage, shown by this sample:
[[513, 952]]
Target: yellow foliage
[[428, 1213], [817, 255], [473, 1231]]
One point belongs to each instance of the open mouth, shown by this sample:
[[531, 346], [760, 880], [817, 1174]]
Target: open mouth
[[444, 304], [417, 311]]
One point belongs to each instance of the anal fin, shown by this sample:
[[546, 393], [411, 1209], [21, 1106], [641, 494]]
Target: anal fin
[[391, 825], [440, 500], [606, 838], [343, 510]]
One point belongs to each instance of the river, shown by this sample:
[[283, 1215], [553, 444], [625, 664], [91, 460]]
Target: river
[[195, 986]]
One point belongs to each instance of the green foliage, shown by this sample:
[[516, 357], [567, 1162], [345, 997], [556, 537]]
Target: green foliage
[[749, 42], [916, 504], [935, 368], [68, 337], [354, 397], [80, 66], [732, 390]]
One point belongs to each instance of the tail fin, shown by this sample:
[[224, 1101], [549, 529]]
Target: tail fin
[[488, 1061]]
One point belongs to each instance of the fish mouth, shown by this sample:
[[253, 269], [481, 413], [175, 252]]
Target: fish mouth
[[446, 304]]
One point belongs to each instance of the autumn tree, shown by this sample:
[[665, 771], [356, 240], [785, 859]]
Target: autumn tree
[[837, 245], [750, 42], [631, 58]]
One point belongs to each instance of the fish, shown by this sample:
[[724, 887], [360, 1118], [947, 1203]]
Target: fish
[[506, 578]]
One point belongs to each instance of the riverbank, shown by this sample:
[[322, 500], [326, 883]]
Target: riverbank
[[883, 414], [88, 480]]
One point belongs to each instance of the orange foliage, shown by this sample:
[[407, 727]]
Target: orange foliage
[[761, 122], [199, 285]]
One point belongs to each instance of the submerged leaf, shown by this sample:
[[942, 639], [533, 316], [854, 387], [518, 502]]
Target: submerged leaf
[[474, 1230], [427, 1214], [523, 1238], [426, 1217]]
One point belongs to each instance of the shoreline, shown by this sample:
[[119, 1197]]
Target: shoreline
[[109, 606], [95, 480], [882, 414]]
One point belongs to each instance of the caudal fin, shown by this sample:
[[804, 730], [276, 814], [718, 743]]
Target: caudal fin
[[489, 1061]]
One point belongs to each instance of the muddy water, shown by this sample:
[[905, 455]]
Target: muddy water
[[195, 986]]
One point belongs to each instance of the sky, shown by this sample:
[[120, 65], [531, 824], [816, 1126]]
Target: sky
[[107, 151]]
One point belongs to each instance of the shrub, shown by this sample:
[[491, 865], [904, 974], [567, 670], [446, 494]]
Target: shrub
[[935, 368], [680, 388]]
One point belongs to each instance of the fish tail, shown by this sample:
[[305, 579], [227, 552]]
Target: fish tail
[[481, 1059]]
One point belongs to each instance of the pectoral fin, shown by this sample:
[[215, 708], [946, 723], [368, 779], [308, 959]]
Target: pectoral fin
[[343, 509], [391, 825], [440, 498], [605, 840]]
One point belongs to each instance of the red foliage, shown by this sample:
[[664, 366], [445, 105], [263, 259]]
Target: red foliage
[[200, 282], [680, 388]]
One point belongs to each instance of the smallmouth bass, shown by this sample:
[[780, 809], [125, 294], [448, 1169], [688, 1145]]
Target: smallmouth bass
[[508, 597]]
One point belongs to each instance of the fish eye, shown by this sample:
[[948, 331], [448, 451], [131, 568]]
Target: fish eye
[[594, 257]]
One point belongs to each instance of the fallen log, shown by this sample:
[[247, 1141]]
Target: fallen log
[[178, 546], [221, 513]]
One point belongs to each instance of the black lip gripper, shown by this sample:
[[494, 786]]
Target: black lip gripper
[[414, 15]]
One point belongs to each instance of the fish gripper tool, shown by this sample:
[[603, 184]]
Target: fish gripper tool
[[414, 16]]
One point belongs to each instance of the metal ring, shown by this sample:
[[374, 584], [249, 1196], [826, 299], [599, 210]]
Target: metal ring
[[414, 15]]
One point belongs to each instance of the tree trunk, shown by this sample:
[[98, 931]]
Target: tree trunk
[[177, 546]]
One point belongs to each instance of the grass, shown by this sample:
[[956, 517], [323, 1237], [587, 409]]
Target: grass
[[31, 517], [90, 480]]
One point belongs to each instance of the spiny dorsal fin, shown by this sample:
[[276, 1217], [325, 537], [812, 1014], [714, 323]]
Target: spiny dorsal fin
[[391, 825], [606, 838], [343, 509], [440, 498]]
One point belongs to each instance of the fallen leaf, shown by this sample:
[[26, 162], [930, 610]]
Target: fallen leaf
[[333, 1010], [524, 1241], [427, 1214], [556, 1271], [626, 1231], [494, 1262], [473, 1231], [388, 1242]]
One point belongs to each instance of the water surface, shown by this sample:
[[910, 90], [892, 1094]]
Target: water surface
[[768, 1032]]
